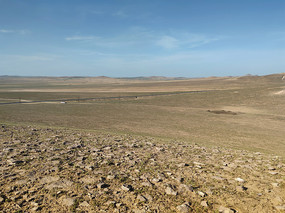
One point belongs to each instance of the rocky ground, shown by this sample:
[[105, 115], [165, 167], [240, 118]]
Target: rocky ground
[[56, 170]]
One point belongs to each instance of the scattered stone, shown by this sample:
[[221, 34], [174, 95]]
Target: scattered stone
[[35, 209], [204, 203], [127, 188], [68, 201], [2, 200], [223, 209], [84, 204], [170, 191], [102, 185], [141, 198], [181, 165], [275, 184], [111, 203], [82, 169], [156, 180], [111, 177], [273, 173], [202, 194], [184, 208], [146, 183], [239, 180], [148, 197]]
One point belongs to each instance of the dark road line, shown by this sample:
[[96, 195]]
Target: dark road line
[[105, 98]]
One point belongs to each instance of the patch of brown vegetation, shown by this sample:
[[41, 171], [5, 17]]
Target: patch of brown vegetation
[[222, 112]]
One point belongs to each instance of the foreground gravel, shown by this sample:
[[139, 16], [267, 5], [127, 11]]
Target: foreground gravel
[[62, 170]]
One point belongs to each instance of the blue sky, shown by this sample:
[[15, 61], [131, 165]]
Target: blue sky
[[128, 38]]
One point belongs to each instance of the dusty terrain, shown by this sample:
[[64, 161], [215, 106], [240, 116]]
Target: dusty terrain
[[149, 148], [61, 170]]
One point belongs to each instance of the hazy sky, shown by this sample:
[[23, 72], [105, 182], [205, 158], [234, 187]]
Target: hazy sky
[[142, 37]]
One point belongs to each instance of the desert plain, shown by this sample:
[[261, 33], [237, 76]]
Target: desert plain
[[99, 144]]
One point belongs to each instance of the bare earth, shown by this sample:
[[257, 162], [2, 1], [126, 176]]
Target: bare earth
[[140, 145], [56, 170]]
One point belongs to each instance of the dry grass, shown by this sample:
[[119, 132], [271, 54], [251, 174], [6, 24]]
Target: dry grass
[[259, 123]]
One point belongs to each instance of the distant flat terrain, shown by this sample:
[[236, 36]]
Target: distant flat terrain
[[236, 112]]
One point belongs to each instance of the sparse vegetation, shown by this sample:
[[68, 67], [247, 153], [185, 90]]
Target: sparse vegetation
[[210, 151]]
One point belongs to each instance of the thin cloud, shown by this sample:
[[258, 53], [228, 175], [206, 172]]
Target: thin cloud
[[6, 31], [22, 32], [81, 38], [185, 40], [137, 37]]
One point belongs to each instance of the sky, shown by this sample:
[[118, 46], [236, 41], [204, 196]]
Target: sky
[[130, 38]]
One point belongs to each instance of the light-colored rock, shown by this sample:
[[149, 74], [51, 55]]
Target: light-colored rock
[[202, 194], [275, 184], [204, 203], [184, 208], [141, 198], [239, 180], [127, 188], [170, 191], [273, 172], [111, 177], [223, 209], [102, 185], [68, 201], [84, 204]]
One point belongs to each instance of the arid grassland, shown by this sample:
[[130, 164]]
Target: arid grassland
[[257, 122], [142, 144]]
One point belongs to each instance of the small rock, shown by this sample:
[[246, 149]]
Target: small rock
[[185, 188], [156, 180], [102, 185], [84, 204], [111, 203], [2, 200], [239, 180], [182, 165], [170, 191], [226, 210], [273, 173], [36, 208], [204, 203], [68, 201], [141, 198], [202, 194], [89, 167], [271, 168], [127, 188], [184, 208], [149, 197], [275, 184], [111, 177], [147, 183], [118, 205]]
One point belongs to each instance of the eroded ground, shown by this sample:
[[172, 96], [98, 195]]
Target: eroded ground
[[61, 170]]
